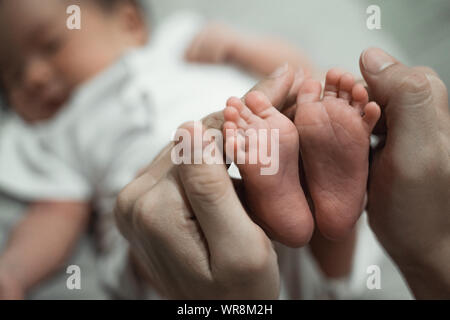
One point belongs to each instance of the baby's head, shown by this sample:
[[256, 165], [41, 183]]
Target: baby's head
[[42, 61]]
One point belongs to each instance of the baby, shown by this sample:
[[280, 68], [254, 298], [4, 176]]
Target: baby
[[42, 64], [84, 101]]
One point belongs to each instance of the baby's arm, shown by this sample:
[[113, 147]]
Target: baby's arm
[[217, 43], [39, 245]]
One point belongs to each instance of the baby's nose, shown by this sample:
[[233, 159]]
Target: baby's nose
[[37, 76]]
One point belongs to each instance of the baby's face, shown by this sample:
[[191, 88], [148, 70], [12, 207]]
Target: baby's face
[[42, 61]]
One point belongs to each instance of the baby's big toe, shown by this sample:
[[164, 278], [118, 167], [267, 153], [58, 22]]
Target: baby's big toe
[[258, 103], [309, 92]]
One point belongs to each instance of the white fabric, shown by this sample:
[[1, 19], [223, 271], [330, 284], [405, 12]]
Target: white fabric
[[116, 124]]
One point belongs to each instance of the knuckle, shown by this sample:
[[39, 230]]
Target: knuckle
[[207, 188], [254, 264], [144, 214], [425, 70], [415, 82], [432, 76]]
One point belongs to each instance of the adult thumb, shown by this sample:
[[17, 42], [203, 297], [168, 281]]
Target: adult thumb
[[278, 88], [405, 94]]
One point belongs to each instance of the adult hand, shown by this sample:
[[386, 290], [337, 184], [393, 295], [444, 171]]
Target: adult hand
[[189, 231], [409, 184]]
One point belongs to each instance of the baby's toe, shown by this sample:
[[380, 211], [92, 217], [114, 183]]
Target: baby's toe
[[231, 114], [258, 103], [360, 97], [235, 142], [372, 114], [309, 92], [230, 126], [346, 83], [332, 82], [237, 112]]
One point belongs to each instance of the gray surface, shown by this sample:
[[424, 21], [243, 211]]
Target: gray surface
[[11, 211], [334, 32], [422, 29]]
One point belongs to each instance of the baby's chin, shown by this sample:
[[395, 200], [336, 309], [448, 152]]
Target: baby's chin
[[54, 106], [43, 112]]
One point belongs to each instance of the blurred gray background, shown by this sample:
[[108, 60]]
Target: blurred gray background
[[333, 33]]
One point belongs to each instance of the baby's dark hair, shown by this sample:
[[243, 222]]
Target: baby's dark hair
[[111, 4]]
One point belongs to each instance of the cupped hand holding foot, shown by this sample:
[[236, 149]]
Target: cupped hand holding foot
[[188, 230]]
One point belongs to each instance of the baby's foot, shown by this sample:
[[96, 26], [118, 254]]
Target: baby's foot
[[334, 141], [276, 200]]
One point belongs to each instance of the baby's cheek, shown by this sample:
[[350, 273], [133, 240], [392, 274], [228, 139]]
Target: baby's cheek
[[78, 63]]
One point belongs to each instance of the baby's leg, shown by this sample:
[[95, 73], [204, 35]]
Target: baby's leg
[[276, 200], [334, 142], [335, 258]]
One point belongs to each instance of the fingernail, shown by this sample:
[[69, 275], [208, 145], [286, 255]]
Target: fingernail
[[376, 60], [280, 71]]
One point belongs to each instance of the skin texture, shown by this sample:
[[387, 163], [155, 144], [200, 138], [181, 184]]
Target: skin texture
[[409, 184], [43, 62]]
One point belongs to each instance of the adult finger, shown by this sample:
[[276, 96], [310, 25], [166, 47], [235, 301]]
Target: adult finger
[[218, 209], [276, 87]]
